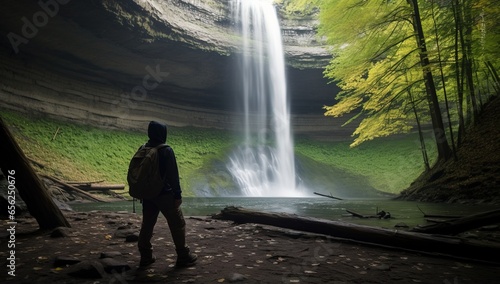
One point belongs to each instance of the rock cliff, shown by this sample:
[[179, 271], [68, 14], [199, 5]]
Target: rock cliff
[[119, 63]]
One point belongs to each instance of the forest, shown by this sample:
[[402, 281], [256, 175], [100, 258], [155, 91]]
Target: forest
[[408, 65]]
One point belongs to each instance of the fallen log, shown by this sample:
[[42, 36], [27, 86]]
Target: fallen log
[[77, 190], [380, 215], [84, 182], [456, 226], [101, 187], [424, 243], [434, 220], [329, 196], [355, 214]]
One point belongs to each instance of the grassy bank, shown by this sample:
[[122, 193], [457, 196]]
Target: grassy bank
[[77, 152], [84, 153], [389, 164]]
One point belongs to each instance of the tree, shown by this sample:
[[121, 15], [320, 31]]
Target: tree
[[444, 151], [375, 44]]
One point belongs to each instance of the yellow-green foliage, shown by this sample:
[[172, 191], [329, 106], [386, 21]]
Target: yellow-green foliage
[[376, 58]]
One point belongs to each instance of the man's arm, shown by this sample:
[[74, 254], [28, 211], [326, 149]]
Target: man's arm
[[173, 174]]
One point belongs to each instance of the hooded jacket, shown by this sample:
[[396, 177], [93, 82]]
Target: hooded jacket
[[157, 134]]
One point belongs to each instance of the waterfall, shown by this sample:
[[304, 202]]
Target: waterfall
[[264, 164]]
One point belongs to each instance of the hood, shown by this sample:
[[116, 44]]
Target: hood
[[157, 132]]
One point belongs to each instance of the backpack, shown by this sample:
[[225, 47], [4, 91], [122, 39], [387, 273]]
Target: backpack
[[143, 177]]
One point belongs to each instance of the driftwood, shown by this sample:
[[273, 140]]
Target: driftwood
[[84, 182], [456, 226], [95, 185], [380, 215], [77, 190], [424, 243], [101, 187], [329, 196], [355, 214], [55, 134], [32, 190]]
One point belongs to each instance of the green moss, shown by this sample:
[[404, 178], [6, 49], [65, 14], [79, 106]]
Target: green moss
[[389, 164], [78, 152]]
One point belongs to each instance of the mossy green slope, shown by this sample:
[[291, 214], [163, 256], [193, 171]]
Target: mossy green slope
[[72, 151]]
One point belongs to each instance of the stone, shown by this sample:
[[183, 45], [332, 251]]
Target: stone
[[60, 232], [110, 254], [87, 269], [236, 277], [113, 264], [124, 232], [132, 238], [63, 261]]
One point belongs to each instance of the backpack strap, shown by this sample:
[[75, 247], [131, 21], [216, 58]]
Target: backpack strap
[[161, 146], [158, 147]]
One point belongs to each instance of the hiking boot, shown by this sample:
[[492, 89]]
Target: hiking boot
[[147, 261], [185, 258]]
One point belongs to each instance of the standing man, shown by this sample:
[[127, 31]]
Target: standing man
[[168, 202]]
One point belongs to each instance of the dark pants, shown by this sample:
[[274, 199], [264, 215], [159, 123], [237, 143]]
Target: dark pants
[[150, 211]]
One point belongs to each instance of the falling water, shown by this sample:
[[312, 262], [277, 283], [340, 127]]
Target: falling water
[[264, 164]]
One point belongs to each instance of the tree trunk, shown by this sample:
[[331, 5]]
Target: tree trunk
[[458, 74], [420, 134], [444, 151], [365, 234], [466, 41], [13, 162], [494, 75], [443, 81]]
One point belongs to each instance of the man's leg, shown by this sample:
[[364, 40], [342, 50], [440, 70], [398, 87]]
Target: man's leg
[[177, 226], [149, 216]]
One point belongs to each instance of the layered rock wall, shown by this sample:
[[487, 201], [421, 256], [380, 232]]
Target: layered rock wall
[[121, 63]]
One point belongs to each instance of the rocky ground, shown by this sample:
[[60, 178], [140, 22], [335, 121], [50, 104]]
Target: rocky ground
[[101, 248]]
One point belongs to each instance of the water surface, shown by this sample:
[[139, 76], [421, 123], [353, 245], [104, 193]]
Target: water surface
[[407, 212]]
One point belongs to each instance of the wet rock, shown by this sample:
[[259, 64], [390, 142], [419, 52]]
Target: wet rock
[[63, 261], [61, 205], [113, 264], [110, 254], [132, 238], [87, 269], [60, 232], [236, 277], [124, 231]]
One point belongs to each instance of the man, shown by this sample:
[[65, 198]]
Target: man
[[168, 202]]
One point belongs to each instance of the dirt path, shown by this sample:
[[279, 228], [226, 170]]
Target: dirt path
[[227, 253]]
